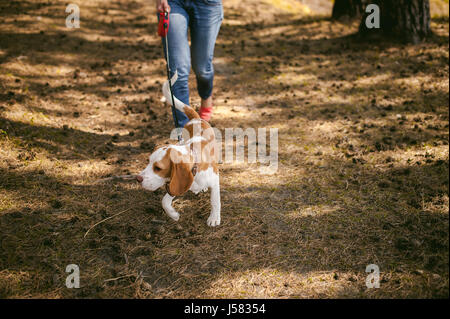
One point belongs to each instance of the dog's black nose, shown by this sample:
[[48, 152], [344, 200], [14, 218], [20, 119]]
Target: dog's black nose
[[139, 178]]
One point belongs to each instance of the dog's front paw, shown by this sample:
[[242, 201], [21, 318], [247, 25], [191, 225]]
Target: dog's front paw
[[213, 220], [174, 215]]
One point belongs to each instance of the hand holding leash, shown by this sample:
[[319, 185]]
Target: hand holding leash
[[162, 6]]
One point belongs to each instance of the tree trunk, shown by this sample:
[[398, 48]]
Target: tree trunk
[[405, 20], [348, 9]]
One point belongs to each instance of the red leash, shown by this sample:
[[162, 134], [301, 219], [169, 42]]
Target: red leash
[[163, 30]]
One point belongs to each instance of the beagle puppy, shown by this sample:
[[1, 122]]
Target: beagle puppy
[[189, 165]]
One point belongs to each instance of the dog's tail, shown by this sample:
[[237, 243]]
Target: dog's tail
[[186, 109]]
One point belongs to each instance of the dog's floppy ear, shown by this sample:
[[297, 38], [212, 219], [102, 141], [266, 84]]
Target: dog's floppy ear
[[181, 177]]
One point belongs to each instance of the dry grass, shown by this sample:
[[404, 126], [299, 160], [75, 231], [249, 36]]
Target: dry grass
[[363, 176]]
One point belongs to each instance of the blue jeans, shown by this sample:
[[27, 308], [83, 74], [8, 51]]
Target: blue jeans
[[204, 18]]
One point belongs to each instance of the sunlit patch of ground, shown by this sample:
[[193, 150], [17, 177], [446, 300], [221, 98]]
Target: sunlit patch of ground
[[362, 164]]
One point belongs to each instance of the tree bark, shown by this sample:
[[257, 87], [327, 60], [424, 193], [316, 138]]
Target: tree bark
[[405, 20], [348, 9]]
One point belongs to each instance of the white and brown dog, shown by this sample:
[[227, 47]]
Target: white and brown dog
[[190, 165]]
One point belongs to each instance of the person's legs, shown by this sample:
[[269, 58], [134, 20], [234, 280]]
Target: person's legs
[[206, 18], [179, 55]]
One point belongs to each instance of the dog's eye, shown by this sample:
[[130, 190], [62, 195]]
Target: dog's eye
[[156, 168]]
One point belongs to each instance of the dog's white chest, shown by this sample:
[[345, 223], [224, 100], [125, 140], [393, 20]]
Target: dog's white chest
[[200, 183]]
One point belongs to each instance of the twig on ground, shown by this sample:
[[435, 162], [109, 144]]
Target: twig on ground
[[103, 220], [115, 178], [157, 221], [117, 278]]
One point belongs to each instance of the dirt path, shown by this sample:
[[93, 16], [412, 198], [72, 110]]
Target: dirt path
[[363, 158]]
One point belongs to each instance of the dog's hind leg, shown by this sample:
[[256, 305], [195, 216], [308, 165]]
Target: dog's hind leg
[[167, 206]]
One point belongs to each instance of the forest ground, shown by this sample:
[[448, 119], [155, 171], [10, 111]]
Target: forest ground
[[363, 158]]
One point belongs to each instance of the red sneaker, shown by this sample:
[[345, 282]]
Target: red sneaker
[[205, 113]]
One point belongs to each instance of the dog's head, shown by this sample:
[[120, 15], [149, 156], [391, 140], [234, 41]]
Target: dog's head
[[168, 164]]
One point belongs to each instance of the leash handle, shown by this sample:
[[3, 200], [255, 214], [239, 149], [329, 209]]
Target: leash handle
[[163, 25]]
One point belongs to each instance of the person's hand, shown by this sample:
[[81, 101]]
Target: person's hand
[[162, 6]]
